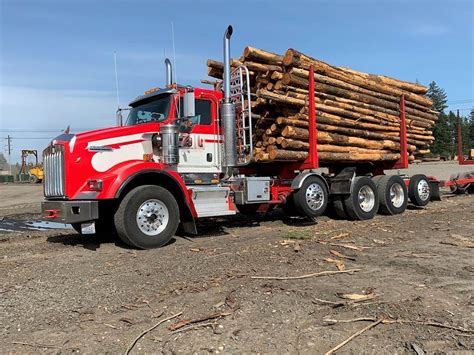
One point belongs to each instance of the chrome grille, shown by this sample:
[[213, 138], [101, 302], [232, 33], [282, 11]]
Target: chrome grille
[[53, 162]]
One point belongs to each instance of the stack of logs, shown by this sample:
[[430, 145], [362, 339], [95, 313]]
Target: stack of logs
[[357, 114]]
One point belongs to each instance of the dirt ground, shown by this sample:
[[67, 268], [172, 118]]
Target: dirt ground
[[62, 292]]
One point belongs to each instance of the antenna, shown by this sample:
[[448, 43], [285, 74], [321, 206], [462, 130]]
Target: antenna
[[119, 110], [116, 81]]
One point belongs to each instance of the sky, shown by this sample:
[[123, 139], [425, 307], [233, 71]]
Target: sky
[[57, 56]]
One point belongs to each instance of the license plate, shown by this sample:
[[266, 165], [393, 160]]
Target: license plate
[[88, 228]]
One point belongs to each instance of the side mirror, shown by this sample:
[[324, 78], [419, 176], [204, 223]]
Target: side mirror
[[189, 104]]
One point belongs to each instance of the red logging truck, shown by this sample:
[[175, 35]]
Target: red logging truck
[[185, 153]]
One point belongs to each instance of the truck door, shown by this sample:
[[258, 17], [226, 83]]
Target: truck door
[[201, 149]]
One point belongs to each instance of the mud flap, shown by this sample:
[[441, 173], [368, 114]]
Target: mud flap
[[435, 192]]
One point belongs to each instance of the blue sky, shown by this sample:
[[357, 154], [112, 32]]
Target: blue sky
[[57, 68]]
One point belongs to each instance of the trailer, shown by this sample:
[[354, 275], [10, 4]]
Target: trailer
[[185, 153]]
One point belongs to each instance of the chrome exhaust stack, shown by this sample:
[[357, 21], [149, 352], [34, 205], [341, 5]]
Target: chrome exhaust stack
[[228, 108], [169, 73]]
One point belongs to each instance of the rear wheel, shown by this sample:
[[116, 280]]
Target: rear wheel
[[363, 202], [419, 190], [147, 217], [393, 194], [312, 198]]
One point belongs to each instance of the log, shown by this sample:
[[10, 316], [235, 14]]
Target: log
[[261, 55], [364, 84], [357, 157], [289, 79], [297, 59], [279, 154]]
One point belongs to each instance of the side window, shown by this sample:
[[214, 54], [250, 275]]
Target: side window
[[203, 111]]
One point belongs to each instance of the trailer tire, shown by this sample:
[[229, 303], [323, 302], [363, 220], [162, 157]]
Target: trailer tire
[[147, 217], [419, 190], [311, 199], [363, 202], [393, 194]]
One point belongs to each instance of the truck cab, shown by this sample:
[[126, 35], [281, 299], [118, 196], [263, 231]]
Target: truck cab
[[182, 153]]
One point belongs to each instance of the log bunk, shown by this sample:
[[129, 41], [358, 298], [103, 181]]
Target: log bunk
[[358, 114]]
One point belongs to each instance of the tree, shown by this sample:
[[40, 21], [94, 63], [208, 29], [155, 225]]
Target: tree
[[3, 162], [438, 96], [443, 128]]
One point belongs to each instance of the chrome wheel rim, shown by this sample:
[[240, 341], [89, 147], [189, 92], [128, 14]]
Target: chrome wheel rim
[[423, 189], [152, 217], [366, 198], [315, 196], [397, 195]]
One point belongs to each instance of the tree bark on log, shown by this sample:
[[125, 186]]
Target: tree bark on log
[[261, 55], [297, 59]]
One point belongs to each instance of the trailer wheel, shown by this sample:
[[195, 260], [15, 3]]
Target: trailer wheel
[[363, 202], [311, 199], [147, 217], [419, 190], [393, 194]]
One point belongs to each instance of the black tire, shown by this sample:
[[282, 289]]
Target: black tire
[[34, 179], [352, 205], [313, 187], [419, 190], [126, 217], [389, 187]]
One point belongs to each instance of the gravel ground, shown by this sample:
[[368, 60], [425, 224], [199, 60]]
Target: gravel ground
[[62, 292]]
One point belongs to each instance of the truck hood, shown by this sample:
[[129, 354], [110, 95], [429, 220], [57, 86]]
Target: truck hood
[[111, 132]]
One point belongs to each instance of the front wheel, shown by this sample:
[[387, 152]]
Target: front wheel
[[147, 217], [311, 199]]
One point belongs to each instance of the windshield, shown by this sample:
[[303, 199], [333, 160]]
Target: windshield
[[154, 109]]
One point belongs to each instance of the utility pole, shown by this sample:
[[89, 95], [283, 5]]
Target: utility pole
[[9, 145]]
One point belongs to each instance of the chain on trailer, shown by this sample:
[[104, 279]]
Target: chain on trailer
[[240, 96]]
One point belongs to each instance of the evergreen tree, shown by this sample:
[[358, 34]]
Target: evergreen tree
[[438, 96], [442, 130]]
